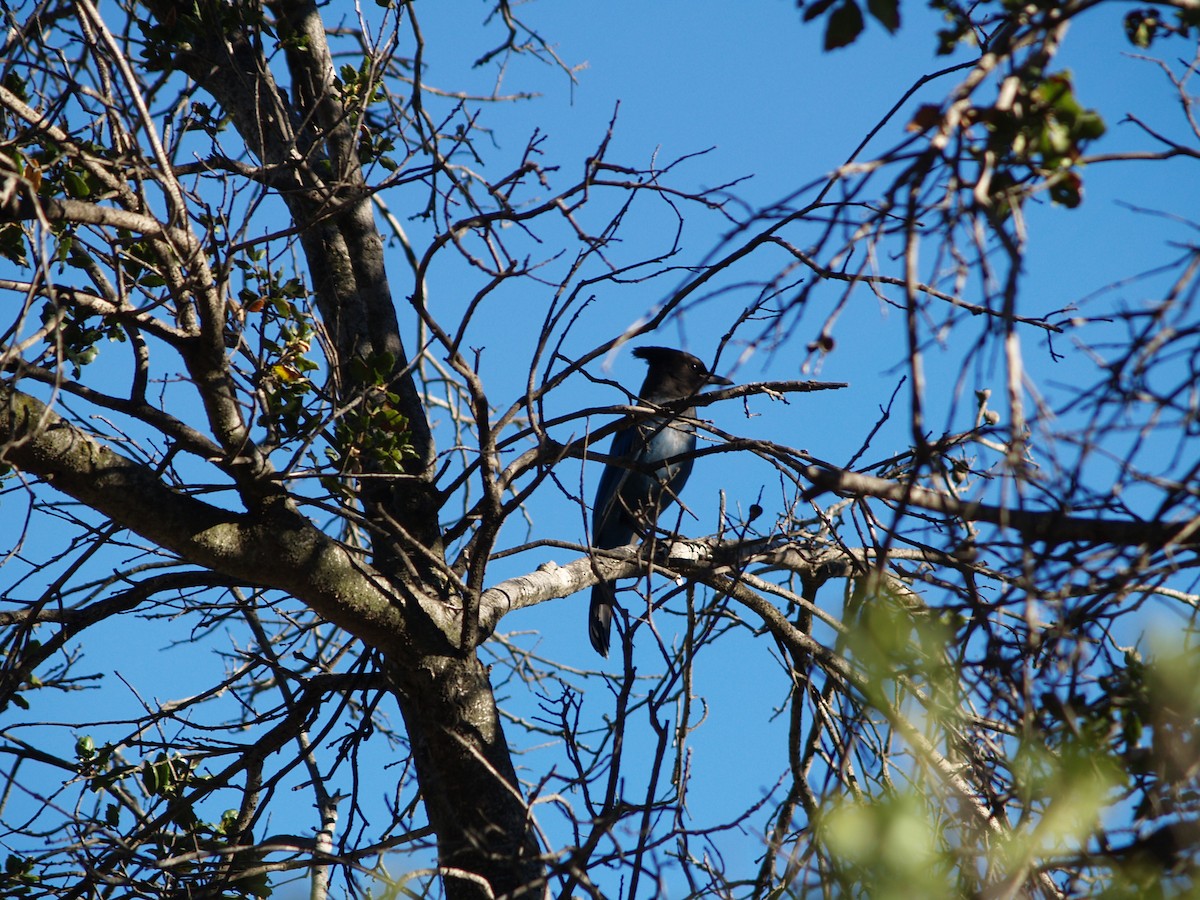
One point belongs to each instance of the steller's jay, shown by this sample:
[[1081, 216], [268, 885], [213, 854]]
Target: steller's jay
[[629, 501]]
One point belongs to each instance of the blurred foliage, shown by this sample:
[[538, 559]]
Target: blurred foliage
[[1128, 748], [1038, 140], [887, 848], [1144, 26]]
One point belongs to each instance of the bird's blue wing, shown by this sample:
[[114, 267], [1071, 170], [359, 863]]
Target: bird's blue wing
[[627, 495], [611, 527], [610, 524]]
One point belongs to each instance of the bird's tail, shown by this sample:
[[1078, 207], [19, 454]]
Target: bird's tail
[[600, 617]]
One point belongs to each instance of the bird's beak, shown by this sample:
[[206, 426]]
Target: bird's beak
[[718, 379]]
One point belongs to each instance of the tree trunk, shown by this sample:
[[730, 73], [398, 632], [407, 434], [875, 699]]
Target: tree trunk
[[468, 783]]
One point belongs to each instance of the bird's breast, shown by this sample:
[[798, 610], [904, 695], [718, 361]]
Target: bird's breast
[[663, 439]]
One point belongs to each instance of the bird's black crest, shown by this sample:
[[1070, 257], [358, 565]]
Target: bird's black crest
[[665, 354]]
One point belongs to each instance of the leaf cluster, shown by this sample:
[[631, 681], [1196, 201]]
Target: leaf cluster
[[845, 21]]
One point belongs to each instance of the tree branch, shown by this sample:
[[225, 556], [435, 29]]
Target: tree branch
[[1051, 526], [273, 548]]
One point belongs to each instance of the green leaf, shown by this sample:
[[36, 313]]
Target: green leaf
[[948, 39], [85, 748], [158, 777], [817, 9], [12, 243], [229, 819], [1141, 27], [1089, 126], [886, 12], [1058, 92], [76, 185], [1054, 142], [1068, 190], [16, 84], [845, 25]]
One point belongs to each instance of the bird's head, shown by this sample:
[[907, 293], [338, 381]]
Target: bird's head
[[673, 374]]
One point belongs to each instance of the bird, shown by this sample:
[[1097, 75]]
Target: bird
[[629, 500]]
